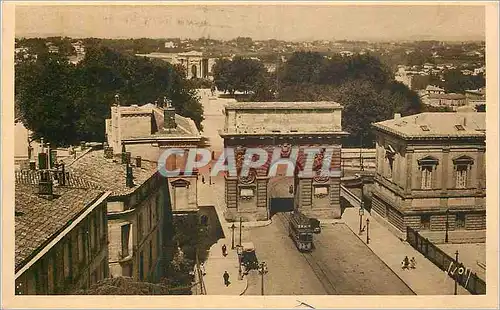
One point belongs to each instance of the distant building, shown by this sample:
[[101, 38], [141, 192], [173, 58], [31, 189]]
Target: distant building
[[196, 65], [475, 96], [53, 49], [431, 175], [170, 44], [60, 235], [431, 89], [450, 100]]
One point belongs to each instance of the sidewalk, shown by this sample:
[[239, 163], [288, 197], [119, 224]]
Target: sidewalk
[[215, 266], [426, 279]]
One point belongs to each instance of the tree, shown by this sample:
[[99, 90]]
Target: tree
[[456, 82], [303, 67], [66, 104], [239, 74]]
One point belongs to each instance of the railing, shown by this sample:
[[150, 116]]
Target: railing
[[456, 270], [354, 200]]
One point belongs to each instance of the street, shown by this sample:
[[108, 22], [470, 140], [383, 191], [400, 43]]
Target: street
[[341, 264]]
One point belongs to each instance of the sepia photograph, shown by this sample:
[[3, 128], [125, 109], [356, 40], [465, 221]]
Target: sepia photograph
[[244, 150]]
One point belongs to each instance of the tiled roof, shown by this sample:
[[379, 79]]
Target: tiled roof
[[437, 125], [110, 174], [39, 220]]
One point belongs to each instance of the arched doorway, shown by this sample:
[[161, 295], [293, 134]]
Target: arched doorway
[[281, 195], [194, 72]]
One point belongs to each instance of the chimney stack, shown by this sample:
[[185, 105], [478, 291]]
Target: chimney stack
[[45, 185], [124, 154], [129, 176], [168, 114], [138, 161]]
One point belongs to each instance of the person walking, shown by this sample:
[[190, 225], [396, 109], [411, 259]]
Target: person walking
[[405, 263], [203, 179], [413, 263], [226, 278], [202, 268], [224, 250]]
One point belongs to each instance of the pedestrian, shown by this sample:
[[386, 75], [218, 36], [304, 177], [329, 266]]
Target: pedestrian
[[413, 263], [224, 250], [405, 263], [203, 179], [202, 267], [226, 278]]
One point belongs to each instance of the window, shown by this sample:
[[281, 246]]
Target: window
[[426, 177], [104, 221], [460, 220], [425, 221], [81, 245], [67, 259], [150, 262], [427, 167], [139, 228], [141, 266], [461, 177], [459, 127], [462, 166], [125, 239], [150, 211], [390, 152]]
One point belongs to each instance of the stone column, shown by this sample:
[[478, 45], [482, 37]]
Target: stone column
[[409, 171], [444, 174]]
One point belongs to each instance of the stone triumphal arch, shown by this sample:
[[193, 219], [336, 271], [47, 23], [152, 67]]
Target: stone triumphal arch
[[283, 126]]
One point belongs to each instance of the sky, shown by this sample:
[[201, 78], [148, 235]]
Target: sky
[[291, 22]]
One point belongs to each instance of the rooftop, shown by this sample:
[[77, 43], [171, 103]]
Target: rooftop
[[432, 87], [450, 96], [110, 174], [321, 105], [39, 220], [437, 125]]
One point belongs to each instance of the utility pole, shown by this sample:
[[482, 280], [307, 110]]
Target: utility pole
[[447, 226], [263, 270], [232, 236], [367, 231], [455, 275], [240, 230]]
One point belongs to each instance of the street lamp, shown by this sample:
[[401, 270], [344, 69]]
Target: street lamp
[[240, 230], [456, 277], [263, 271], [361, 213], [239, 251], [447, 226], [367, 231], [233, 227]]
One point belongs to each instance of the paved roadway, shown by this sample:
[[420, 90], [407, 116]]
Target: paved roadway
[[340, 265]]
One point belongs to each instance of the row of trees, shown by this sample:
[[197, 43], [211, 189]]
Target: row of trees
[[66, 104], [362, 84]]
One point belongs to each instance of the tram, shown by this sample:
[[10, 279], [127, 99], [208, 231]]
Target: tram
[[301, 232]]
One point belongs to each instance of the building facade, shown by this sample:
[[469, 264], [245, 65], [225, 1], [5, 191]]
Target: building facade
[[430, 175], [138, 211], [281, 127], [61, 235]]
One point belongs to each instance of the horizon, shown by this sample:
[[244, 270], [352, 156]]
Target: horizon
[[292, 23]]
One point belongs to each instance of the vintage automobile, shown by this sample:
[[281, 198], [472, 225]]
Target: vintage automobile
[[248, 256]]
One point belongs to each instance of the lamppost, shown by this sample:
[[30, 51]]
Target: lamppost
[[240, 231], [263, 271], [367, 231], [232, 236], [447, 226], [456, 277], [361, 212]]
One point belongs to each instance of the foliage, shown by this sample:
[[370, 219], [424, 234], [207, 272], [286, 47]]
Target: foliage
[[124, 286], [239, 74], [66, 104], [456, 82]]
